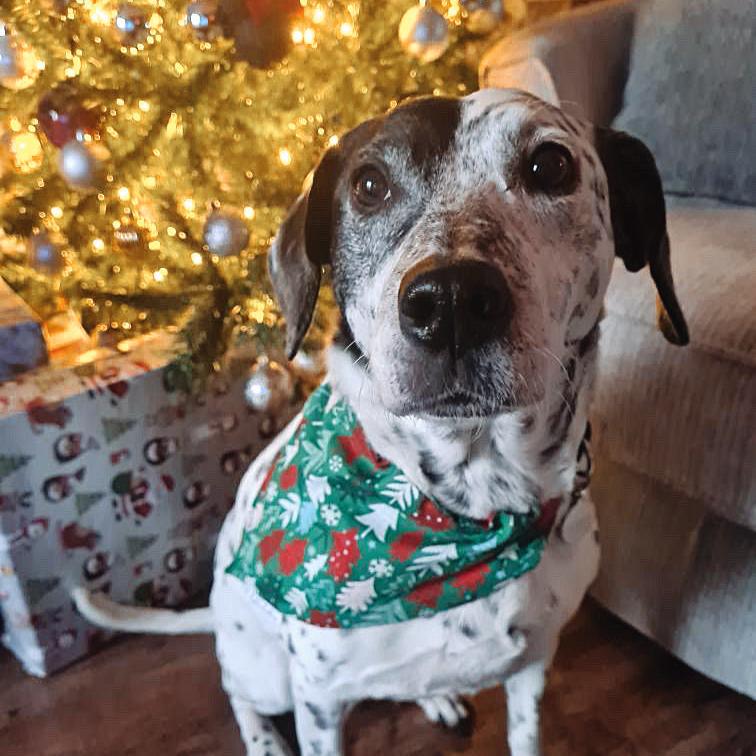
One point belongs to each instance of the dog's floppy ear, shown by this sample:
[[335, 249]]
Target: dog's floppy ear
[[639, 221], [301, 247]]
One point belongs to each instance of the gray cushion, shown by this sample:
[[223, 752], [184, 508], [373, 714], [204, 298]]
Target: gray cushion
[[686, 416], [690, 95]]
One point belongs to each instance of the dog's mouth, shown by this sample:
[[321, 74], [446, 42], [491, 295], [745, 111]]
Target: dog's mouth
[[459, 403]]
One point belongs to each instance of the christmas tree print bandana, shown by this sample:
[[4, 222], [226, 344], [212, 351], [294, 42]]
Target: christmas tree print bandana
[[343, 539]]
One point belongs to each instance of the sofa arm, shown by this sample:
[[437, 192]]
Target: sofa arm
[[586, 52]]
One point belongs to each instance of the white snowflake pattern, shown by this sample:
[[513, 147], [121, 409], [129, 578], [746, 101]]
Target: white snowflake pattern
[[335, 464], [297, 599], [380, 568], [331, 514], [356, 595]]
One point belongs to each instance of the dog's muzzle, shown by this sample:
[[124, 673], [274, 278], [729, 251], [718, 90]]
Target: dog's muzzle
[[456, 307]]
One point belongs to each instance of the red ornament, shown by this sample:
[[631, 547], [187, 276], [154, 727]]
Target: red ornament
[[262, 10], [62, 118]]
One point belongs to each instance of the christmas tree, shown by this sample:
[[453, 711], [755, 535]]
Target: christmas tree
[[149, 151]]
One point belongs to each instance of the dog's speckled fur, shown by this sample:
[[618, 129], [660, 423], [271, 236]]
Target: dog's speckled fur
[[498, 429]]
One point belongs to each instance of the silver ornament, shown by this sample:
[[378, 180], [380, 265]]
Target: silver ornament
[[225, 233], [18, 64], [132, 23], [424, 33], [483, 16], [269, 387], [44, 254], [82, 164], [308, 364], [202, 18]]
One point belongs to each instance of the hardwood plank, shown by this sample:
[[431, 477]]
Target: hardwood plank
[[611, 693]]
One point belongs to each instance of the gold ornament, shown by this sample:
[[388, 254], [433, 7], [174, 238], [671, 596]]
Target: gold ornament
[[25, 151], [424, 33], [18, 63], [128, 237]]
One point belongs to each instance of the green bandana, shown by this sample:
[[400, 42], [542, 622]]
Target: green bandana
[[345, 540]]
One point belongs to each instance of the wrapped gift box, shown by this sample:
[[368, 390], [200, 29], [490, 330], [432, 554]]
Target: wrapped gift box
[[114, 478], [22, 345]]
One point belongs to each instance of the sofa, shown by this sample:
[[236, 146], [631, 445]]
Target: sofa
[[674, 428]]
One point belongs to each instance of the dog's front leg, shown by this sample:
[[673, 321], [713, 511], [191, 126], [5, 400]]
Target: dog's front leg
[[524, 691], [259, 736], [318, 726]]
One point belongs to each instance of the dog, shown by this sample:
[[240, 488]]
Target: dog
[[470, 243]]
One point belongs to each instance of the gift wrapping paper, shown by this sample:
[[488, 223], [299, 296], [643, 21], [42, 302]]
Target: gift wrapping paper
[[114, 478]]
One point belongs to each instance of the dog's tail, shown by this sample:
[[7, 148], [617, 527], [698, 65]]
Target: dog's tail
[[100, 610]]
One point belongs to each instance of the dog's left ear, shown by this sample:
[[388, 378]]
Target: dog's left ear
[[301, 247], [639, 221]]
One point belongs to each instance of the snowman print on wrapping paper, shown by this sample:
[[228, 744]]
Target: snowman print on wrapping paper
[[196, 494], [131, 491], [158, 450], [157, 592], [15, 500], [75, 536], [29, 531], [68, 446], [59, 487]]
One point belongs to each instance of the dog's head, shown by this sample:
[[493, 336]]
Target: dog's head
[[471, 243]]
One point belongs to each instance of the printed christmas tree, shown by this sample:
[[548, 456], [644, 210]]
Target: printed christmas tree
[[113, 427], [135, 545], [85, 501], [38, 588], [9, 464]]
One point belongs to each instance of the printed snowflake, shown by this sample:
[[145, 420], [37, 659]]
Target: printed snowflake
[[330, 514], [335, 464], [380, 568]]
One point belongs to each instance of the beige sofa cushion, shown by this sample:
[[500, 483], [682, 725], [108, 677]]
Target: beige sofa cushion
[[687, 416]]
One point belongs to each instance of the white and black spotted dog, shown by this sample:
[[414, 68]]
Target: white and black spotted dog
[[471, 243]]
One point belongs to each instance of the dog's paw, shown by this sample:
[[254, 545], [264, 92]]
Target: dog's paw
[[446, 710]]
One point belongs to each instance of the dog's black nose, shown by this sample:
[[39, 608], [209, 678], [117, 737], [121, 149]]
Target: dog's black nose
[[456, 307]]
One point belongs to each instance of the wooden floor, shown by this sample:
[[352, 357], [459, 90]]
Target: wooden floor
[[611, 692]]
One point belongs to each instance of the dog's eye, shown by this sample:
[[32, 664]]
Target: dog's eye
[[370, 188], [551, 169]]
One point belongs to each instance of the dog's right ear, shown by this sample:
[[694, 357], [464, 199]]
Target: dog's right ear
[[301, 247]]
